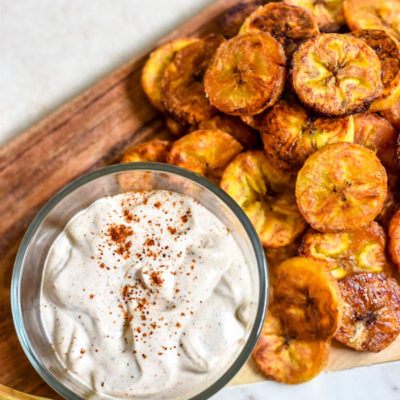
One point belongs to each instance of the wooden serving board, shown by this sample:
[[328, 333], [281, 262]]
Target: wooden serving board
[[90, 132]]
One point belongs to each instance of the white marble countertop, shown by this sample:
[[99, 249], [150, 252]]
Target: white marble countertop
[[50, 50]]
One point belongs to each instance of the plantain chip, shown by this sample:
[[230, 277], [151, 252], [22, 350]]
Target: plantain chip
[[182, 81], [289, 134], [341, 187], [155, 67], [377, 134], [234, 126], [388, 51], [389, 208], [336, 74], [393, 115], [285, 358], [329, 13], [206, 152], [394, 238], [362, 250], [289, 25], [246, 74], [266, 196], [153, 151], [373, 14], [307, 298], [235, 16], [176, 128], [254, 121], [371, 311]]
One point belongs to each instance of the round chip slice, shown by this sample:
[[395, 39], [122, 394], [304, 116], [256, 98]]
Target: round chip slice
[[290, 135], [182, 82], [371, 311], [341, 187], [328, 13], [155, 66], [206, 152], [288, 359], [377, 134], [388, 51], [373, 14], [307, 298], [336, 74], [246, 75], [362, 250], [235, 16], [393, 115], [265, 194], [289, 25], [234, 126], [394, 238]]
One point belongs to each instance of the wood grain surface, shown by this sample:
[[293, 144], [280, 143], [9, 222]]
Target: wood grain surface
[[90, 132]]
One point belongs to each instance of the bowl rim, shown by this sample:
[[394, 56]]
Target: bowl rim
[[17, 313]]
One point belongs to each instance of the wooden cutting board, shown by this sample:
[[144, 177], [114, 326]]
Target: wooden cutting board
[[90, 132]]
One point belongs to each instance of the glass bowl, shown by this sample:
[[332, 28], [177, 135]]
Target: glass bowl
[[51, 220]]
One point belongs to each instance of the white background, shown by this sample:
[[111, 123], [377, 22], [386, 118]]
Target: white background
[[50, 50]]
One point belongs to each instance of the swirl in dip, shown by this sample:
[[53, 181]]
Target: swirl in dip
[[147, 295]]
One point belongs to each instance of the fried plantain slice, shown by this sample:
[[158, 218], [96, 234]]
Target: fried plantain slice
[[307, 298], [206, 152], [234, 126], [373, 14], [289, 134], [176, 128], [389, 208], [153, 151], [182, 82], [328, 13], [289, 25], [394, 238], [285, 358], [341, 187], [362, 250], [336, 74], [388, 51], [266, 196], [393, 115], [371, 311], [235, 16], [377, 134], [246, 74], [254, 121], [155, 67]]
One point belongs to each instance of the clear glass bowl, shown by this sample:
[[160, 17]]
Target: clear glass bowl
[[51, 220]]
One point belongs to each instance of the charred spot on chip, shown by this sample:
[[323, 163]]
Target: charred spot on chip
[[290, 134], [341, 187], [307, 298], [266, 196], [235, 16], [286, 358], [289, 25], [371, 311], [328, 13], [336, 74], [182, 82], [361, 250], [206, 152], [246, 75], [373, 14], [388, 51]]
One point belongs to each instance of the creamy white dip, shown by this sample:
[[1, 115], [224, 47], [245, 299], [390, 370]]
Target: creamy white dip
[[146, 295]]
